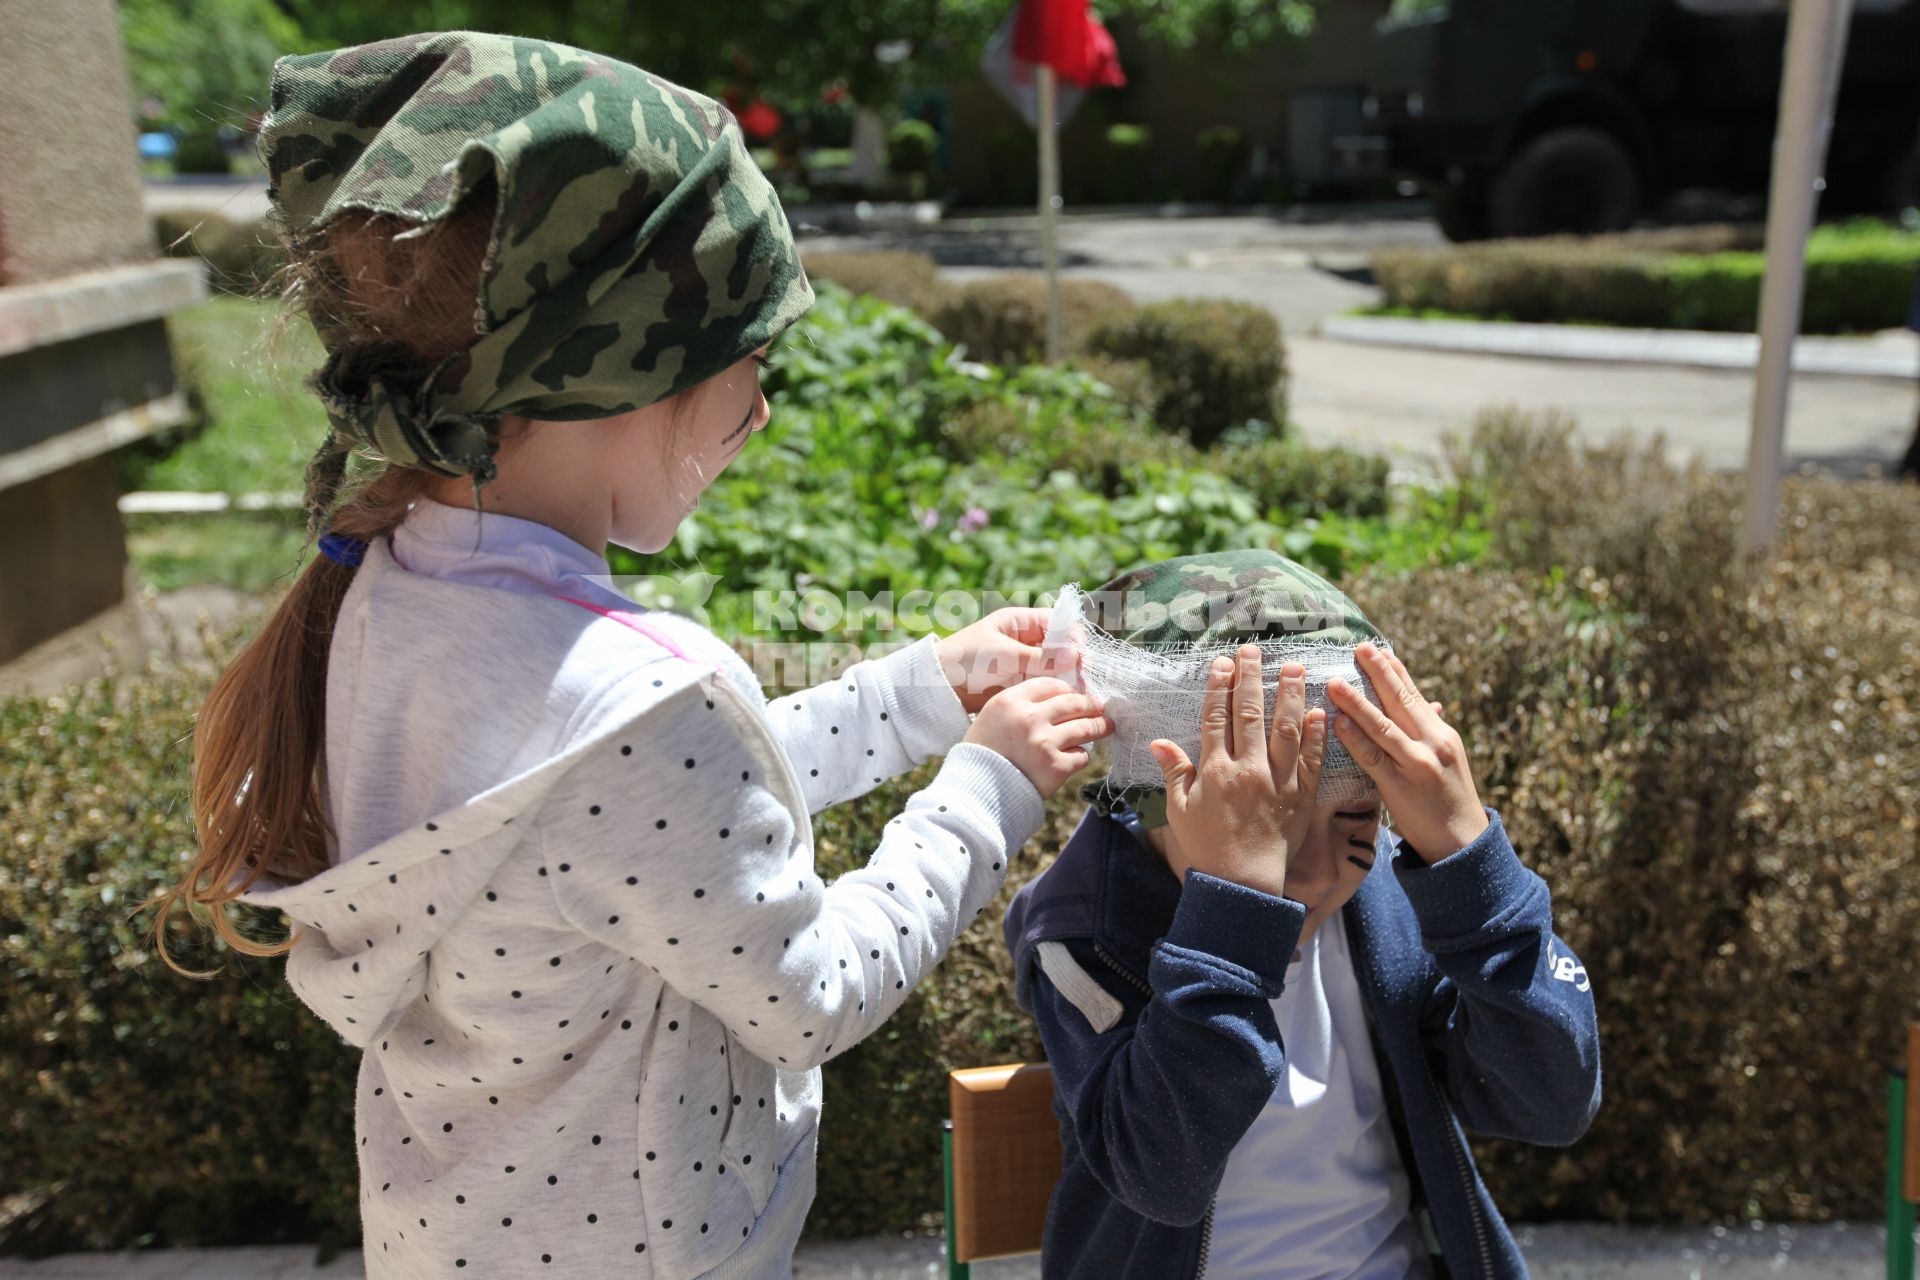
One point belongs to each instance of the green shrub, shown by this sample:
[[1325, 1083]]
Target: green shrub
[[1012, 170], [911, 148], [141, 1105], [1122, 165], [1721, 782], [910, 280], [1216, 364], [202, 152], [1859, 277], [1223, 153], [241, 257], [1003, 319], [1289, 476]]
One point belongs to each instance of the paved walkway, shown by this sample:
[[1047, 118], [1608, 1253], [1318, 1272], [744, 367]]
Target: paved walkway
[[1838, 1251]]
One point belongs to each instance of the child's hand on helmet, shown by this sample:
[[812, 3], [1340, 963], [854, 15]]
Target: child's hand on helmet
[[1043, 727], [1246, 807], [1414, 757], [995, 653]]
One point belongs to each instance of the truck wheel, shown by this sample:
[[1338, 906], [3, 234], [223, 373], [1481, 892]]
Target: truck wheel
[[1461, 211], [1573, 180]]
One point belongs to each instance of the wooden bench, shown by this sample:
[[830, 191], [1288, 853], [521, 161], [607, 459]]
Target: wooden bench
[[1002, 1155]]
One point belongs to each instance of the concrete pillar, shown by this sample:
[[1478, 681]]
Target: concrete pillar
[[84, 361]]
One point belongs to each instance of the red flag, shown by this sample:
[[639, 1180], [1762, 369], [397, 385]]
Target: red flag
[[1066, 37]]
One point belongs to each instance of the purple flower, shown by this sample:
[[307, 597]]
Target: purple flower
[[928, 517], [975, 519]]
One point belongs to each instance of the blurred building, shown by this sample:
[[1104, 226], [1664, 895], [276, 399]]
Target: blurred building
[[85, 365], [1295, 105]]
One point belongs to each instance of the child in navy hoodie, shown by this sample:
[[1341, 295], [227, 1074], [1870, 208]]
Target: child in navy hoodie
[[1268, 1018]]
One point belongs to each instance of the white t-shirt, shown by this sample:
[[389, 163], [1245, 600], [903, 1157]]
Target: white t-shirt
[[1316, 1189]]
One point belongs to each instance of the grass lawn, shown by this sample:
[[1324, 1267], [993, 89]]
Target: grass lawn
[[262, 423], [248, 551]]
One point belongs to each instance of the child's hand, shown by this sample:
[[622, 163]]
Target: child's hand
[[1414, 757], [1243, 811], [995, 653], [1043, 727]]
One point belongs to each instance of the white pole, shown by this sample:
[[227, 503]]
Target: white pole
[[1045, 87], [1816, 44]]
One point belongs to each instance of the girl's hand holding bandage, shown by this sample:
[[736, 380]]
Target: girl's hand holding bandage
[[995, 653], [1247, 806], [1043, 727], [1414, 757]]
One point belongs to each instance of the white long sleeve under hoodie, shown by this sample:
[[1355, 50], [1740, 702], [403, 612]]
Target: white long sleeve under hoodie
[[573, 918]]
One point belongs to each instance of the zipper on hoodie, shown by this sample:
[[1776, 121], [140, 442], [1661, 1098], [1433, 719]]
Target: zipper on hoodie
[[1206, 1225], [1206, 1239], [1358, 941], [1125, 973], [1466, 1176]]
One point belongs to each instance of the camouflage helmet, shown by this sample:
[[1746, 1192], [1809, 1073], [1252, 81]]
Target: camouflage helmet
[[1213, 602], [636, 249], [1228, 597]]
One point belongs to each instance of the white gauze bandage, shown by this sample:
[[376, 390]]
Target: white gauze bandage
[[1157, 691]]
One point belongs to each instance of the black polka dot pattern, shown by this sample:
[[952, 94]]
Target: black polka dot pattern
[[644, 895]]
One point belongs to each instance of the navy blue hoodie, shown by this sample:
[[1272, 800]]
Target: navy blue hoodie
[[1478, 1015]]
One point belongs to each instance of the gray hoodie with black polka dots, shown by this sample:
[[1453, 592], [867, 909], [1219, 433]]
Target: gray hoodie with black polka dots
[[575, 925]]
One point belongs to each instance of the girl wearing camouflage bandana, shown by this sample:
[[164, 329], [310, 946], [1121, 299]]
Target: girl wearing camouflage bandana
[[548, 859]]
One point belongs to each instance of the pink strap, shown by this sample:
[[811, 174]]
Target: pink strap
[[633, 623]]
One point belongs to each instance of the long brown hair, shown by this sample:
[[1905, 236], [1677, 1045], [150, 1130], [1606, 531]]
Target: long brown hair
[[387, 307]]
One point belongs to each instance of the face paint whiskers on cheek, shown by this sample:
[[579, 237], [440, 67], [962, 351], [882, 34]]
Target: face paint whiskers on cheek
[[741, 432], [1365, 863]]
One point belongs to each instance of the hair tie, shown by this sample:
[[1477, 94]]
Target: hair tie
[[342, 550]]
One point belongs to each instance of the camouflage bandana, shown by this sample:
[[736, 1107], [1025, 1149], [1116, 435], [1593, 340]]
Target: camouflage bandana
[[1211, 600], [636, 248]]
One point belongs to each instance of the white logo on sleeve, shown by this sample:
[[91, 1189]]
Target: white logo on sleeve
[[1567, 969]]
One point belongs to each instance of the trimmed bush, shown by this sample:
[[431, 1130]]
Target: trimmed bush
[[1223, 153], [911, 148], [1859, 277], [241, 257], [139, 1105], [1003, 319], [910, 280], [202, 152], [1216, 364], [1722, 785], [1126, 164]]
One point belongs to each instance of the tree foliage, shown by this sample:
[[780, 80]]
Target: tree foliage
[[206, 61], [793, 48]]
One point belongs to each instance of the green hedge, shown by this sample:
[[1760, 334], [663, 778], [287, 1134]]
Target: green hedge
[[1216, 364], [1003, 319], [138, 1105], [1860, 277], [241, 257], [1722, 786], [1200, 366]]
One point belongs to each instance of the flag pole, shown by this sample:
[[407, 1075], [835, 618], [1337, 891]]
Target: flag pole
[[1045, 89], [1816, 44]]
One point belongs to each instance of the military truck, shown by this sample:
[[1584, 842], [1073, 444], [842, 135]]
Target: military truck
[[1529, 117]]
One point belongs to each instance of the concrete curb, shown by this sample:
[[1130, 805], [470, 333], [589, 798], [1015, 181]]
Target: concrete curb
[[167, 502], [1555, 1251], [1891, 355]]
